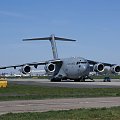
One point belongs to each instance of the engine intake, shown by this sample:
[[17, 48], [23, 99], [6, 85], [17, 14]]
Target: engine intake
[[26, 69], [50, 67], [115, 69], [99, 67]]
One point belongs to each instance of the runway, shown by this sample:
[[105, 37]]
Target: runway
[[115, 83], [56, 104]]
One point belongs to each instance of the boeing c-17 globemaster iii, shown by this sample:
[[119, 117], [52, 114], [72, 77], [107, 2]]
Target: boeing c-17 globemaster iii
[[73, 68]]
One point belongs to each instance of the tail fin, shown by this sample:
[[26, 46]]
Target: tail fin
[[52, 39]]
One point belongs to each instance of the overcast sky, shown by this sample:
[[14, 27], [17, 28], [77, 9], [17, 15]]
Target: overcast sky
[[95, 24]]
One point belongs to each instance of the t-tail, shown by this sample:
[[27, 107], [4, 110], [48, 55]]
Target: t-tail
[[52, 39]]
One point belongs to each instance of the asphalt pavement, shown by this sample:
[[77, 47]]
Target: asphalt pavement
[[98, 83], [56, 104]]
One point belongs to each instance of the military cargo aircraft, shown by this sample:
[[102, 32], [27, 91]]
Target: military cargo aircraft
[[73, 68]]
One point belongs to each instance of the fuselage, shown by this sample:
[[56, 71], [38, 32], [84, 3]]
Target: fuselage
[[75, 67], [70, 68]]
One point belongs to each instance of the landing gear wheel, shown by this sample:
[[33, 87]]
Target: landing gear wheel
[[77, 80], [55, 80], [82, 79]]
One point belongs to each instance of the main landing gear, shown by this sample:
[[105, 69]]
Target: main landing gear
[[82, 79], [55, 80]]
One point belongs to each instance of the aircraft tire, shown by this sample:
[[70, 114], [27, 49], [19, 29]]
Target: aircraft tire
[[77, 80], [55, 80], [82, 79]]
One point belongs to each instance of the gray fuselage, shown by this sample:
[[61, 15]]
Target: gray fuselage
[[75, 67], [72, 68]]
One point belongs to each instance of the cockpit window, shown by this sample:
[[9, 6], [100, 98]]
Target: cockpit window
[[84, 62], [81, 62], [78, 63]]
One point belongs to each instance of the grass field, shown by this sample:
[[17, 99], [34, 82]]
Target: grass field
[[24, 92], [80, 114]]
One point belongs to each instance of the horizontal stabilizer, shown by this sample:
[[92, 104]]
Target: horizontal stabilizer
[[49, 38], [64, 39], [45, 38]]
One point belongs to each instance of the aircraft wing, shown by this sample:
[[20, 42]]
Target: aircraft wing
[[95, 62], [35, 64]]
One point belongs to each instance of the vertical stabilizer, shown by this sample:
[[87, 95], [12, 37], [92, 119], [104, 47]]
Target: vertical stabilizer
[[54, 47], [52, 39]]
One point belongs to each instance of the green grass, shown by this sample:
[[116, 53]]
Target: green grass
[[80, 114], [25, 92]]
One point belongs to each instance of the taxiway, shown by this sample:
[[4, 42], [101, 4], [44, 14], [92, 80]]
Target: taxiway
[[115, 83]]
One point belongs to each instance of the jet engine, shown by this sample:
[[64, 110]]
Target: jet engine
[[26, 69], [50, 67], [115, 69], [99, 67]]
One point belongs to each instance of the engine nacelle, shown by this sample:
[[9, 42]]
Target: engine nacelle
[[115, 69], [99, 67], [50, 67], [26, 69]]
